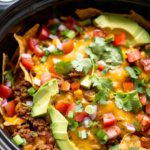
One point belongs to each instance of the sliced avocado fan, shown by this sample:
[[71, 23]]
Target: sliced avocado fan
[[59, 129], [43, 97]]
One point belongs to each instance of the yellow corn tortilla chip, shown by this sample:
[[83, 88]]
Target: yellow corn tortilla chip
[[34, 85], [88, 13], [130, 141]]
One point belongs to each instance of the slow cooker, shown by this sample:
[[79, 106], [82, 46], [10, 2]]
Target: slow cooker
[[17, 16]]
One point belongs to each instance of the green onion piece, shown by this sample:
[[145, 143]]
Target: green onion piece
[[87, 38], [41, 47], [70, 34], [26, 105], [9, 77], [77, 102], [67, 102], [96, 66], [128, 43], [100, 134], [31, 90], [71, 114], [103, 140], [143, 81], [78, 28], [110, 39], [17, 140], [86, 137], [58, 52], [94, 130], [79, 135], [53, 28], [90, 123], [43, 59], [87, 22], [136, 125], [82, 123], [62, 92], [47, 53], [89, 109], [24, 141], [137, 70]]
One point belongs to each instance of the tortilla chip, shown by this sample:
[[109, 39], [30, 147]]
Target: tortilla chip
[[34, 85], [130, 141], [88, 13]]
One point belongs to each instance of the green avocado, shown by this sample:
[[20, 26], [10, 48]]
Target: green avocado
[[86, 82], [59, 129], [118, 24], [44, 96]]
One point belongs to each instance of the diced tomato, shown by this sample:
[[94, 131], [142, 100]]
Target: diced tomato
[[68, 46], [99, 33], [146, 64], [145, 142], [5, 91], [32, 42], [28, 63], [75, 86], [62, 105], [65, 86], [79, 116], [10, 108], [46, 76], [71, 107], [101, 65], [112, 132], [48, 136], [50, 21], [69, 23], [128, 86], [134, 55], [144, 121], [148, 108], [44, 33], [38, 52], [119, 40], [109, 119], [143, 99]]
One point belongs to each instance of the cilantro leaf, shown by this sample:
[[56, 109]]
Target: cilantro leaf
[[53, 28], [73, 126], [138, 86], [110, 39], [87, 38], [147, 52], [137, 70], [133, 148], [63, 67], [115, 147], [148, 95], [79, 108], [78, 28], [82, 64], [101, 97], [131, 72], [58, 52], [9, 77], [102, 83]]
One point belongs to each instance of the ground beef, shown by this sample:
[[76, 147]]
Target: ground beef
[[89, 93], [59, 80], [33, 73], [46, 147], [147, 46], [74, 73], [113, 142], [146, 64]]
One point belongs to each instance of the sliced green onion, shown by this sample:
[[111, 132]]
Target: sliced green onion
[[136, 125], [58, 52], [103, 140], [82, 123], [31, 91], [96, 66], [128, 43], [43, 59], [87, 38], [47, 53], [90, 109], [67, 102], [79, 135], [87, 22], [90, 123], [110, 39], [100, 134], [9, 77], [71, 114], [143, 81], [26, 105], [137, 70], [77, 102], [41, 47], [70, 34], [17, 140], [78, 28], [94, 130]]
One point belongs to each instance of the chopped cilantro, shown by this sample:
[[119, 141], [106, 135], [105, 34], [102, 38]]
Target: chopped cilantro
[[133, 148], [128, 43], [79, 108], [87, 38], [136, 125], [77, 102], [63, 67], [109, 40], [131, 72], [62, 92], [115, 147], [78, 28], [147, 52], [103, 72], [53, 28], [137, 70], [138, 86], [58, 52], [82, 64], [148, 94]]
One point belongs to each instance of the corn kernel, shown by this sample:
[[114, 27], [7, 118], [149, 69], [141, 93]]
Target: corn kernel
[[125, 56], [110, 35], [54, 42], [143, 54], [78, 94], [63, 18]]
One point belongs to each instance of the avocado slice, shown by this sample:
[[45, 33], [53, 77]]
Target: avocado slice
[[86, 82], [118, 24], [43, 97], [59, 130]]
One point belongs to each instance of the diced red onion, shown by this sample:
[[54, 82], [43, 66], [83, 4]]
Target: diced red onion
[[56, 20], [101, 62], [93, 116], [130, 127], [83, 133], [51, 48], [86, 118], [37, 81], [59, 45], [4, 102], [53, 36], [56, 60], [30, 103], [61, 27], [8, 84], [26, 55]]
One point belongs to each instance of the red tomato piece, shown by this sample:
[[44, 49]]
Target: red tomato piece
[[71, 107], [38, 52], [101, 65], [44, 33], [32, 42], [143, 99], [112, 132], [50, 21], [119, 40], [148, 108], [144, 121], [46, 76], [128, 86], [10, 108], [145, 142], [134, 55], [48, 136], [75, 86], [65, 86], [28, 63], [69, 23], [79, 116], [68, 46], [5, 91], [52, 70], [99, 33], [109, 119], [62, 105]]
